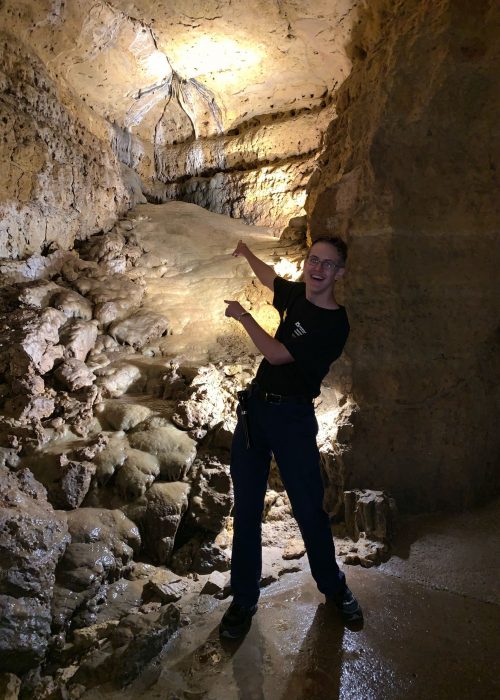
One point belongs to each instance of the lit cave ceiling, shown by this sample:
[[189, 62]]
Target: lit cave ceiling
[[218, 63], [185, 90]]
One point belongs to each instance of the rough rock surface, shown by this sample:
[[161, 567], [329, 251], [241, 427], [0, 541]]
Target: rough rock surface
[[59, 181], [32, 540], [371, 513], [158, 514], [174, 449], [102, 545], [133, 643], [410, 176]]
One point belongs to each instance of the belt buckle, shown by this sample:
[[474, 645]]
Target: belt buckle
[[273, 398]]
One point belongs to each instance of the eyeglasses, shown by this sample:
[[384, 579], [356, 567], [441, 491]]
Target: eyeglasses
[[329, 265]]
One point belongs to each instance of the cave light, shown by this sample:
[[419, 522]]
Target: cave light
[[217, 55], [157, 66], [289, 269]]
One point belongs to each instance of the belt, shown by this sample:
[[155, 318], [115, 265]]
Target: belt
[[270, 397]]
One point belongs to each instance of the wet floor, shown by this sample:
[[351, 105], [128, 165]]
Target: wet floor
[[426, 635]]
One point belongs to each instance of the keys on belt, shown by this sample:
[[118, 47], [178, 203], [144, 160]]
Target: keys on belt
[[243, 401], [270, 397]]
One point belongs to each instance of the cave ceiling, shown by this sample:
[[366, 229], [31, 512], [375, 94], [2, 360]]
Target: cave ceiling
[[201, 68]]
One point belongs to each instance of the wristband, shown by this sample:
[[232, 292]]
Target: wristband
[[245, 313]]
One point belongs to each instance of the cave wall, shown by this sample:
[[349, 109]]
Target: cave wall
[[258, 172], [59, 180], [410, 177]]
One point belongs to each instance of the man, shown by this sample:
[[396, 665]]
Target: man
[[281, 421]]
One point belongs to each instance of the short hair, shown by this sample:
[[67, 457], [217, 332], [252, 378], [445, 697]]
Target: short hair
[[337, 243]]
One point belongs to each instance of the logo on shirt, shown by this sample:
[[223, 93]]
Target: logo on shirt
[[298, 330]]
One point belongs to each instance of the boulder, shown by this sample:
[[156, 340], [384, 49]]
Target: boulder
[[74, 375], [38, 294], [133, 644], [158, 514], [33, 538], [117, 378], [136, 474], [72, 304], [124, 416], [139, 328], [102, 546], [78, 338], [210, 499], [371, 513], [174, 449]]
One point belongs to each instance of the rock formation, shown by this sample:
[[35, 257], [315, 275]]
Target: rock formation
[[118, 369], [119, 377], [410, 175]]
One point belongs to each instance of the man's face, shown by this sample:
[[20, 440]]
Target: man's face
[[322, 267]]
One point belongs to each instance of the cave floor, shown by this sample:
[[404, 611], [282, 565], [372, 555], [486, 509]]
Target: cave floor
[[431, 630]]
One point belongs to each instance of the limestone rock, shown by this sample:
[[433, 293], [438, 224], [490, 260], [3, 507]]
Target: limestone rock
[[215, 583], [87, 525], [10, 685], [112, 602], [31, 401], [365, 552], [65, 469], [268, 196], [373, 187], [210, 499], [76, 408], [200, 556], [124, 416], [60, 180], [33, 339], [117, 378], [103, 543], [273, 566], [139, 328], [371, 513], [174, 449], [164, 587], [39, 294], [114, 296], [295, 549], [74, 374], [72, 304], [32, 540], [136, 474], [111, 457], [158, 514], [73, 485], [9, 458], [208, 401], [103, 247], [78, 338], [87, 637], [134, 642]]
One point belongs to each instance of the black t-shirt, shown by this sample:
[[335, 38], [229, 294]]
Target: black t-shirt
[[314, 336]]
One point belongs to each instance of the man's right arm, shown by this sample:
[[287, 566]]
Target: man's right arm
[[265, 273]]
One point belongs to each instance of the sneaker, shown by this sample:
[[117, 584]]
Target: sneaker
[[236, 621], [348, 606]]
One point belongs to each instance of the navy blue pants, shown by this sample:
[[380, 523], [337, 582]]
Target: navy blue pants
[[287, 430]]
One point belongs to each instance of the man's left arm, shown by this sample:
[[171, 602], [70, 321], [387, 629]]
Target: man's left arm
[[273, 350]]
